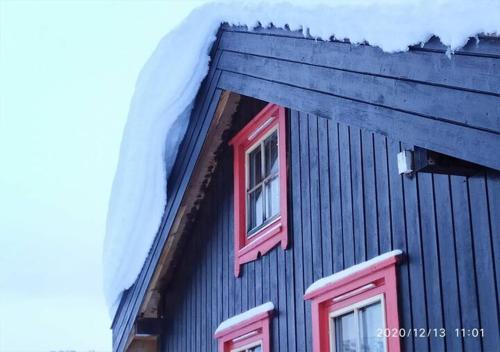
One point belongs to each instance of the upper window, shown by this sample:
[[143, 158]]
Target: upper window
[[263, 188], [246, 332], [353, 309], [260, 185]]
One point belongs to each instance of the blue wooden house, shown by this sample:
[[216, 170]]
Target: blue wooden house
[[329, 197]]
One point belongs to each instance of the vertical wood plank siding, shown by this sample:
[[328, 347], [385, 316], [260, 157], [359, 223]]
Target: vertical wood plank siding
[[351, 109], [444, 224]]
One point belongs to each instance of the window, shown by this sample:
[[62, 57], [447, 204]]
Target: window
[[358, 327], [246, 332], [254, 347], [260, 186], [353, 309]]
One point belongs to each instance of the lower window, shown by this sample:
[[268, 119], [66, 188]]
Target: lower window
[[353, 308], [251, 348], [359, 327]]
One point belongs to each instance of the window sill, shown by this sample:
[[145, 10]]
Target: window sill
[[262, 242]]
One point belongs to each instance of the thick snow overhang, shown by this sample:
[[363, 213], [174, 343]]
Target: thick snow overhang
[[286, 67]]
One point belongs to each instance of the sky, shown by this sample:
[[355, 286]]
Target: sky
[[67, 73]]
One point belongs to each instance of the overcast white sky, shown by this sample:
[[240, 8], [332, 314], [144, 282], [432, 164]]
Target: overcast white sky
[[67, 73]]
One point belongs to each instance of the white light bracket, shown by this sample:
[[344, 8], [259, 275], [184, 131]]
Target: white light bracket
[[405, 162]]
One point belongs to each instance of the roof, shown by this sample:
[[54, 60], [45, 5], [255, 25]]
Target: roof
[[234, 67]]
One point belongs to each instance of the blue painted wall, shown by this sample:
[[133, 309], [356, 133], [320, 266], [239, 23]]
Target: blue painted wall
[[348, 204]]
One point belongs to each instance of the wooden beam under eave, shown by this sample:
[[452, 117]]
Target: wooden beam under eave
[[143, 344], [205, 165]]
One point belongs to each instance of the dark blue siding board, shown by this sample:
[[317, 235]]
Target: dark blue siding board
[[210, 279], [346, 196], [425, 100], [275, 334], [448, 262], [244, 289], [430, 251], [197, 304], [251, 283], [307, 249], [324, 197], [258, 283], [206, 320], [296, 222], [370, 192], [220, 253], [416, 260], [485, 270], [383, 196], [305, 190], [336, 197], [358, 196], [283, 310], [215, 268], [223, 256], [228, 241], [400, 239], [266, 280], [439, 69], [290, 285], [493, 184], [399, 125], [315, 196], [290, 301]]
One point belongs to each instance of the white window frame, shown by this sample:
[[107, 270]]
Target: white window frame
[[258, 144], [250, 345], [355, 307]]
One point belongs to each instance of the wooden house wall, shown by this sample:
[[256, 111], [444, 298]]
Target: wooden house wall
[[422, 97], [348, 204]]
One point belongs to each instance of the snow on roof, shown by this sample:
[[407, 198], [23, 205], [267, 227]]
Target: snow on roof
[[249, 314], [168, 83], [350, 271]]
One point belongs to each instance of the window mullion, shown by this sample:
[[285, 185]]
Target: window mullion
[[358, 329], [263, 173]]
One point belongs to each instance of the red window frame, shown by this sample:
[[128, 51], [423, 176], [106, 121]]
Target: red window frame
[[252, 330], [274, 233], [378, 279]]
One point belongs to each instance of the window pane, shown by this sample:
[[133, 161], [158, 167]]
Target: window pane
[[371, 319], [254, 167], [271, 150], [255, 349], [345, 333], [255, 209], [272, 197]]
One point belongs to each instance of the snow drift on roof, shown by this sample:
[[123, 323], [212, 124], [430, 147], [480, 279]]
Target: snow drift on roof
[[169, 81]]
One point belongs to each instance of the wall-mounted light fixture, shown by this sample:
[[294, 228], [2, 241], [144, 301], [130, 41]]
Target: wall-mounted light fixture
[[424, 160], [405, 162]]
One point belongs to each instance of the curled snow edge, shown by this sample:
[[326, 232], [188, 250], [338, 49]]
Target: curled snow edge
[[169, 81], [329, 280], [247, 315]]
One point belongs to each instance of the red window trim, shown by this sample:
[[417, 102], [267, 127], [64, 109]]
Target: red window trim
[[353, 288], [274, 233], [253, 329]]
